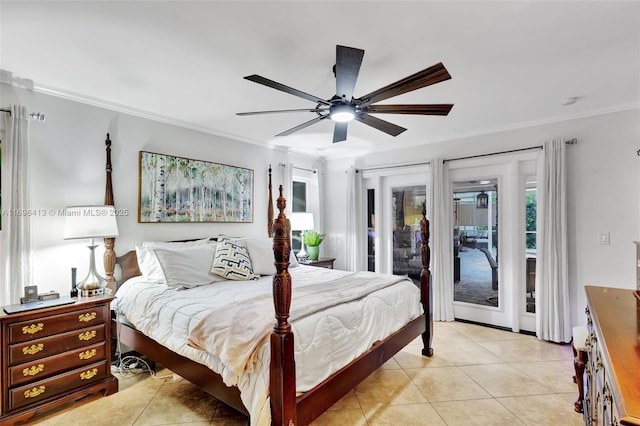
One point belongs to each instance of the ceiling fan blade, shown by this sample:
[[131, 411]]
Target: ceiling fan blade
[[339, 132], [383, 126], [302, 126], [279, 86], [348, 61], [435, 109], [317, 110], [432, 75]]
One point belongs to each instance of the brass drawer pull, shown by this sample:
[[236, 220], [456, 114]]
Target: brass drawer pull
[[33, 349], [87, 354], [87, 317], [86, 375], [34, 392], [33, 370], [88, 335], [33, 328]]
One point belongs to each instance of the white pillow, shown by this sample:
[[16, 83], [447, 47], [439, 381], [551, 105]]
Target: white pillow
[[232, 261], [148, 263], [261, 254], [293, 260], [188, 267], [149, 266]]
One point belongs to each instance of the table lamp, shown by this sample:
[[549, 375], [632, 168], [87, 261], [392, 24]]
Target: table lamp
[[89, 222], [301, 221]]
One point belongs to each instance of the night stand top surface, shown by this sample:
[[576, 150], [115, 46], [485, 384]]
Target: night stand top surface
[[44, 306], [320, 259]]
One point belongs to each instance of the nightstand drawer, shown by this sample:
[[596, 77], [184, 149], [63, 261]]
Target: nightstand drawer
[[53, 345], [56, 385], [45, 367], [28, 330]]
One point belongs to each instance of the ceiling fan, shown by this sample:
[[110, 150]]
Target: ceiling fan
[[343, 107]]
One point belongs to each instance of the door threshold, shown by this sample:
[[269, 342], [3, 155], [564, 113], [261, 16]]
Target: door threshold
[[497, 327]]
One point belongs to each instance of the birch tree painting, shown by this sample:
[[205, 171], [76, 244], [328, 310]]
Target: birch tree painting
[[176, 189]]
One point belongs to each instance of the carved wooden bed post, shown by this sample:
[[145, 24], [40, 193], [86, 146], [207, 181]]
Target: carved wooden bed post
[[425, 284], [109, 253], [282, 387], [270, 208]]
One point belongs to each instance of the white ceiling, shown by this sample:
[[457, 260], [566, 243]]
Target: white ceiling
[[512, 62]]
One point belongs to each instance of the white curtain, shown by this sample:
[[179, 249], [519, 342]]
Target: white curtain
[[15, 237], [552, 281], [355, 251], [313, 198], [439, 215]]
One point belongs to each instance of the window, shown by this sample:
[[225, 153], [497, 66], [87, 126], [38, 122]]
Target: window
[[530, 209], [371, 230], [530, 206], [299, 204]]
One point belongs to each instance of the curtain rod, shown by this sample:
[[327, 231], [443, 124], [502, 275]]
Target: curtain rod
[[300, 168], [569, 142], [34, 115]]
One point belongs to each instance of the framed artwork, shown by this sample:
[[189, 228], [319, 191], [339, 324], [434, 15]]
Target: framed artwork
[[176, 189]]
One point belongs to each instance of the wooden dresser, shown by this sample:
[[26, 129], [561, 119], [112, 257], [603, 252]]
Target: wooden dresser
[[612, 394], [54, 355]]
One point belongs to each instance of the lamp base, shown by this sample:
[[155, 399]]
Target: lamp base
[[93, 284], [302, 255], [91, 292]]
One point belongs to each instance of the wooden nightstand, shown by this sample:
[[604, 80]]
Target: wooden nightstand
[[322, 262], [51, 356]]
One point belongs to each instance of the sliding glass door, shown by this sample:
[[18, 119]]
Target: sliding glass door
[[394, 209], [490, 208], [483, 258], [494, 231], [475, 232], [407, 202]]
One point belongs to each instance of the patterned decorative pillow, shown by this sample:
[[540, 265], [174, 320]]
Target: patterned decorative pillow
[[232, 261]]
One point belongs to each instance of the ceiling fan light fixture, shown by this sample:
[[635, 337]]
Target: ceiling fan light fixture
[[342, 113]]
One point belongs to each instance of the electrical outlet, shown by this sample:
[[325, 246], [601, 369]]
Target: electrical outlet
[[604, 238]]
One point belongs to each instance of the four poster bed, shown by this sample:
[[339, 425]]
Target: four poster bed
[[275, 379]]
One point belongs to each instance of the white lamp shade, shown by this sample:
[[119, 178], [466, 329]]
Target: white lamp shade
[[301, 221], [83, 222]]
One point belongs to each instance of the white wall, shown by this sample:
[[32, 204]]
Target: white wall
[[67, 167], [603, 192]]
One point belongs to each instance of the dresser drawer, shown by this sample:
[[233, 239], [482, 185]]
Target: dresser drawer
[[53, 345], [25, 331], [57, 385], [45, 367]]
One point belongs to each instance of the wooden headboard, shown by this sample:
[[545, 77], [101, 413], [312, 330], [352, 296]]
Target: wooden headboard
[[127, 264]]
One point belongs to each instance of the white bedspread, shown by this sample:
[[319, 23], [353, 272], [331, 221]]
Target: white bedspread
[[325, 340]]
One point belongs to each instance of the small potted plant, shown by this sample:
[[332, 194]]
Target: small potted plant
[[312, 240]]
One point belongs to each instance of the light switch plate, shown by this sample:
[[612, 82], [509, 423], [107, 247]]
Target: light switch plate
[[604, 238]]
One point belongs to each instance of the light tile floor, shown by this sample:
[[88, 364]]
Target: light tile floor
[[478, 376]]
